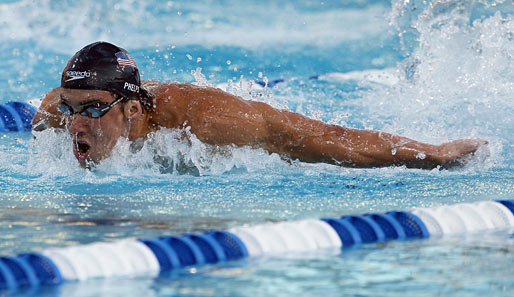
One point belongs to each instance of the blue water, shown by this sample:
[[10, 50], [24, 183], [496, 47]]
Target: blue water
[[433, 71]]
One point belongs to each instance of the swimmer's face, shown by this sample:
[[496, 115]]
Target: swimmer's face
[[94, 138]]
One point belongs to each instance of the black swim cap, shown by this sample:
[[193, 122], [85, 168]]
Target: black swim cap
[[104, 66]]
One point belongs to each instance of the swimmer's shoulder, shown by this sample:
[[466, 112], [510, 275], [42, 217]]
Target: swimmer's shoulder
[[175, 102], [175, 95], [178, 90], [166, 94], [170, 101]]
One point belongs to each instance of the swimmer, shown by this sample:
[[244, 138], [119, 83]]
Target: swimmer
[[101, 99]]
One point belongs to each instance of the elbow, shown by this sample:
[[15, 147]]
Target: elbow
[[39, 123], [39, 126], [42, 122]]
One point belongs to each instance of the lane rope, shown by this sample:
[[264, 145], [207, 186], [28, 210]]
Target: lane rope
[[16, 116], [149, 257]]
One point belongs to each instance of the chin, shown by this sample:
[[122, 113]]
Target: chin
[[82, 163], [88, 162]]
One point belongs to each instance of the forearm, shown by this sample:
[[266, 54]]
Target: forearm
[[314, 141], [47, 115], [364, 148]]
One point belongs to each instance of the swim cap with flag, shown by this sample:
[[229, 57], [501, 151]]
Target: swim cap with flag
[[104, 66]]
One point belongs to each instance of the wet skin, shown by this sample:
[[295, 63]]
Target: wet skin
[[219, 118]]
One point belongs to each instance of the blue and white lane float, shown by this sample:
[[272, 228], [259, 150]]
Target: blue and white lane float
[[16, 116], [148, 257]]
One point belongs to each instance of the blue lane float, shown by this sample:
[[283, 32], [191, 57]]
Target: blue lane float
[[148, 257], [16, 116]]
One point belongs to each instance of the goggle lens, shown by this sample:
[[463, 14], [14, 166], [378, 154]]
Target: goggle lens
[[94, 110], [65, 109]]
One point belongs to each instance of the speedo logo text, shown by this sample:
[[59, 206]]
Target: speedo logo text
[[74, 75]]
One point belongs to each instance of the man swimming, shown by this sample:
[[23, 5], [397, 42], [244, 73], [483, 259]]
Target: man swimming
[[102, 99]]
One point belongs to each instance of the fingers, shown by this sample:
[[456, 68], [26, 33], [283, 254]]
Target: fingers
[[459, 152]]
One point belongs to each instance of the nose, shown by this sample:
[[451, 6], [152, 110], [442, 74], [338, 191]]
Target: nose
[[78, 123]]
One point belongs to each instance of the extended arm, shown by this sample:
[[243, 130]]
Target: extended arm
[[312, 140], [217, 117]]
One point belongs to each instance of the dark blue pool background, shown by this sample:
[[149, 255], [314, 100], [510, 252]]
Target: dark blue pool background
[[447, 72]]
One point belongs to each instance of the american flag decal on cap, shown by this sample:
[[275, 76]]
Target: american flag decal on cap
[[124, 59]]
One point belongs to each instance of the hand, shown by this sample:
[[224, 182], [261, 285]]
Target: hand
[[456, 153]]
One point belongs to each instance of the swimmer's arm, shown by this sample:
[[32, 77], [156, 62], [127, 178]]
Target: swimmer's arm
[[219, 118], [47, 115], [314, 141]]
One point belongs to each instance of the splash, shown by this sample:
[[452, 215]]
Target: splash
[[178, 151], [243, 88], [52, 154], [167, 151], [458, 80]]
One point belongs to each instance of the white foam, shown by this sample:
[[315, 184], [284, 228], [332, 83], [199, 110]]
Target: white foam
[[457, 82], [52, 155], [36, 102], [165, 151]]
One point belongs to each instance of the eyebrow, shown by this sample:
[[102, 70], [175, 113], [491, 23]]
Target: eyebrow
[[87, 101]]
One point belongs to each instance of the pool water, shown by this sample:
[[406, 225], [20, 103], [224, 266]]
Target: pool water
[[429, 70]]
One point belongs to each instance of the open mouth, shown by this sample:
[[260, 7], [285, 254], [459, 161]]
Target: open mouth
[[81, 149]]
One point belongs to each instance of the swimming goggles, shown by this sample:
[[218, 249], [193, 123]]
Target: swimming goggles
[[93, 110]]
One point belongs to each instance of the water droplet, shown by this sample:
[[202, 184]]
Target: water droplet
[[229, 62], [421, 156], [393, 151], [189, 57]]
